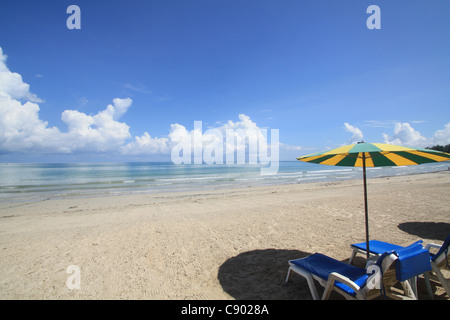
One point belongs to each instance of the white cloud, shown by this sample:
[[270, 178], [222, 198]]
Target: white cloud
[[241, 141], [357, 135], [100, 132], [120, 107], [21, 129], [406, 135], [229, 137], [11, 83], [442, 137], [20, 126], [146, 145]]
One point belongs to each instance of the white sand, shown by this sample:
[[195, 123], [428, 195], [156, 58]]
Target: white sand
[[222, 244]]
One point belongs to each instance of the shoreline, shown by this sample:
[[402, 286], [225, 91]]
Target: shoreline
[[205, 188], [215, 244]]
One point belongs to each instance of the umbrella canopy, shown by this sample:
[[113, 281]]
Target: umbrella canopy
[[374, 155]]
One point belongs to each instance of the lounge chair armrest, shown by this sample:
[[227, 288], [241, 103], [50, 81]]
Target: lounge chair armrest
[[339, 277], [432, 245]]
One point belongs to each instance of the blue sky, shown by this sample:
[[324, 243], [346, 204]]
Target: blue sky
[[311, 69]]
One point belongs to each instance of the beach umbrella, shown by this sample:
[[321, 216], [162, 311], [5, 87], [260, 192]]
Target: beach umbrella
[[365, 155]]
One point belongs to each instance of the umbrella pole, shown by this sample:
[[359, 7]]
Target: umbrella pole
[[365, 203]]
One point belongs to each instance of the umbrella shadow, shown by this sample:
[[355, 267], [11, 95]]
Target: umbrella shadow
[[261, 275], [427, 230]]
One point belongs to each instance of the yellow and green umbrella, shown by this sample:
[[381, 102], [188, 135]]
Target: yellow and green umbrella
[[374, 155]]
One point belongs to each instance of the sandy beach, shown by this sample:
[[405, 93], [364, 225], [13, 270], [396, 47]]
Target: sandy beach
[[220, 244]]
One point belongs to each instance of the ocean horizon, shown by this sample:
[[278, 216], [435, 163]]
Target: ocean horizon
[[30, 182]]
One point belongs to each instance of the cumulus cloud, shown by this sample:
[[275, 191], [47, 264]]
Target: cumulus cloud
[[119, 107], [239, 142], [442, 137], [100, 132], [12, 85], [406, 135], [357, 135], [22, 130], [146, 145]]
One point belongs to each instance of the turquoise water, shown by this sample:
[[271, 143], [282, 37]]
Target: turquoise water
[[40, 181]]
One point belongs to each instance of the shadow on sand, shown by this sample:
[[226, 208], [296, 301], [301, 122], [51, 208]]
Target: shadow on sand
[[427, 230], [261, 274]]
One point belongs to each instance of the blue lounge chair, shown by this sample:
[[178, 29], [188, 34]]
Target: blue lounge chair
[[438, 259], [376, 248], [358, 283]]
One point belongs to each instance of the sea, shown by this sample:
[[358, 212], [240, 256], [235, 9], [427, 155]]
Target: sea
[[29, 182]]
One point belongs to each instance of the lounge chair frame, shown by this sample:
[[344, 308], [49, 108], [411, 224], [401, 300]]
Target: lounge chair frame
[[436, 265]]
